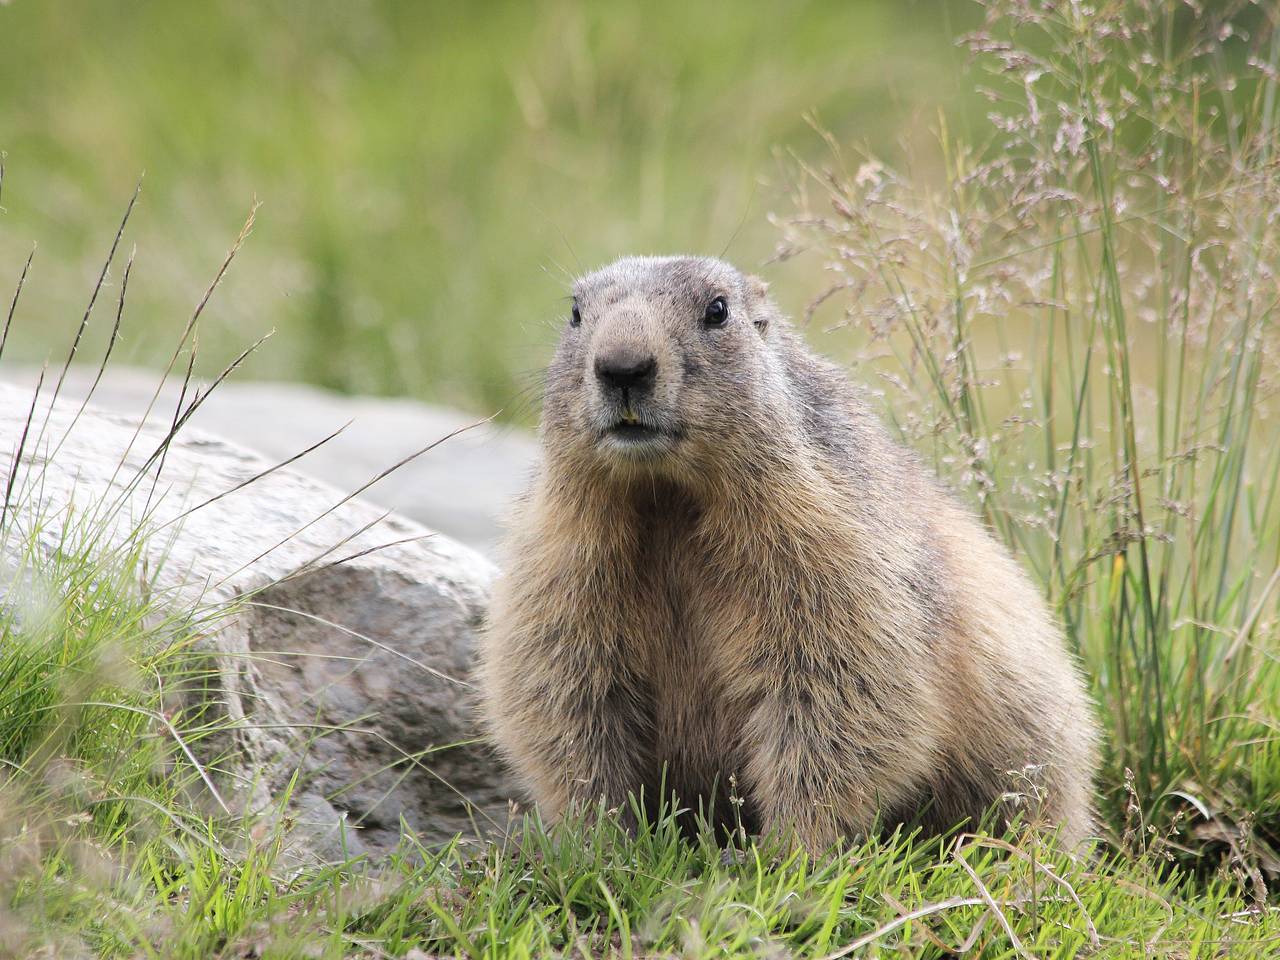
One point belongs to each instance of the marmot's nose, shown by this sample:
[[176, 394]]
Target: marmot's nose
[[626, 368]]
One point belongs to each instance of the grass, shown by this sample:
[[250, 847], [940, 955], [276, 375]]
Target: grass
[[598, 893], [1075, 323]]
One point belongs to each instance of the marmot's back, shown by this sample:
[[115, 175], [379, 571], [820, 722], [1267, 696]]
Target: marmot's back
[[726, 570]]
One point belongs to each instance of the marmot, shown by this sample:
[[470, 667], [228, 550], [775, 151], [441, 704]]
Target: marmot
[[726, 568]]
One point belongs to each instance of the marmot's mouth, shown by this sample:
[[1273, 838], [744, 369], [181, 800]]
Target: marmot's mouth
[[632, 430], [633, 438]]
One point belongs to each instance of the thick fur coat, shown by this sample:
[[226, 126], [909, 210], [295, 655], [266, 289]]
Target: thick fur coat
[[726, 568]]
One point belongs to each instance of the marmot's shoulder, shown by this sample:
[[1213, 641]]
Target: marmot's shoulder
[[839, 419]]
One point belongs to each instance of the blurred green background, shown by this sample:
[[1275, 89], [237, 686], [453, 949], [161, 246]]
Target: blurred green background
[[431, 174]]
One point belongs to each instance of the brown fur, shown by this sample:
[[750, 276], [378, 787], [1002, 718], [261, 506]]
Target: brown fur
[[768, 588]]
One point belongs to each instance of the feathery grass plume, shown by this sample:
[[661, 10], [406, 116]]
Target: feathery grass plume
[[1078, 327]]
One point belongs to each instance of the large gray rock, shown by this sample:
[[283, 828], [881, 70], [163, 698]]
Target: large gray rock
[[375, 650], [462, 493]]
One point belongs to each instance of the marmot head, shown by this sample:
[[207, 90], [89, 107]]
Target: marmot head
[[661, 359]]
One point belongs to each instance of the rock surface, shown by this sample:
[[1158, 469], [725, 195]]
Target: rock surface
[[461, 489], [378, 645]]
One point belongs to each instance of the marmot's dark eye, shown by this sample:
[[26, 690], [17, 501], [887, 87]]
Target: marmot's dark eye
[[717, 313], [575, 317]]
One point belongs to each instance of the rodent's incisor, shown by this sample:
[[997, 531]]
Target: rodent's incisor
[[726, 568]]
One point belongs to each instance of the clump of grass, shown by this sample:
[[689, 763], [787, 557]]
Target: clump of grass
[[95, 766], [99, 772], [1079, 328]]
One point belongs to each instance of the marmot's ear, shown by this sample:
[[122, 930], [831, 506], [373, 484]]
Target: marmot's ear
[[762, 308]]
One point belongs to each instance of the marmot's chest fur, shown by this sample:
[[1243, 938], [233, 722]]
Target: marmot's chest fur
[[687, 653], [715, 624]]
